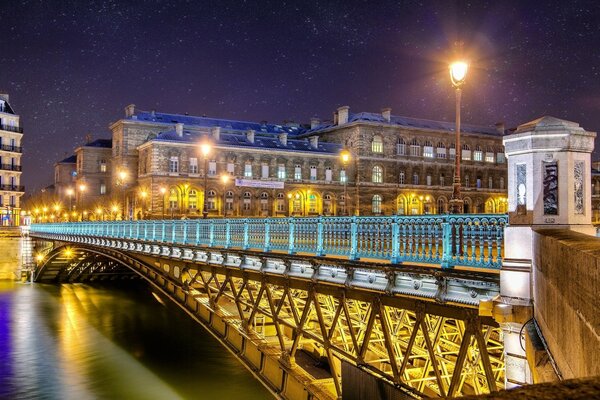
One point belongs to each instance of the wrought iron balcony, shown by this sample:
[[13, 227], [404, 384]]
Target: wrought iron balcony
[[10, 167], [10, 128], [12, 188], [469, 240], [14, 149]]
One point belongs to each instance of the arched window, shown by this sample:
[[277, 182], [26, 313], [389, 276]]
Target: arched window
[[173, 200], [415, 179], [211, 200], [264, 202], [401, 178], [415, 148], [247, 203], [327, 204], [400, 147], [377, 144], [441, 206], [452, 151], [193, 199], [312, 204], [376, 204], [441, 150], [229, 201], [478, 154], [377, 174], [280, 203], [428, 149], [466, 152]]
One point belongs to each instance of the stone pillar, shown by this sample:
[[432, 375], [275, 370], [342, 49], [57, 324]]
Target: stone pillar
[[549, 185]]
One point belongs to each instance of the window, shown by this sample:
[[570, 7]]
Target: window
[[312, 204], [193, 165], [428, 149], [281, 171], [377, 174], [478, 183], [377, 144], [173, 203], [441, 205], [441, 150], [415, 148], [298, 173], [229, 201], [343, 177], [247, 201], [264, 202], [193, 199], [12, 201], [489, 156], [501, 183], [428, 180], [442, 183], [280, 203], [102, 166], [376, 204], [102, 188], [174, 165], [500, 158], [400, 147], [248, 170], [478, 154], [401, 178], [452, 152], [327, 204], [467, 181], [313, 173], [490, 183], [212, 168], [328, 174], [466, 153], [415, 179], [264, 171], [211, 203], [231, 168]]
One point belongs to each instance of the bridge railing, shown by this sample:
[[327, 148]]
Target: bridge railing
[[474, 240]]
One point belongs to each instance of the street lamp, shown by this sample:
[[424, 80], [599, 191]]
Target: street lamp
[[70, 193], [205, 148], [143, 195], [225, 181], [345, 157], [82, 188], [458, 74], [162, 191]]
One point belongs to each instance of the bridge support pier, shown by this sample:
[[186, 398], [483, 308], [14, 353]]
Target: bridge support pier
[[549, 186]]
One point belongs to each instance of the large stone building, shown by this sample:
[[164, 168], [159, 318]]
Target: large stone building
[[397, 165], [11, 189]]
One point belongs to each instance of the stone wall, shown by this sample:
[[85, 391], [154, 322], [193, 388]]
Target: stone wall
[[566, 285]]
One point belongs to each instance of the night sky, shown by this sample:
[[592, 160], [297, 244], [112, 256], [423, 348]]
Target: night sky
[[71, 67]]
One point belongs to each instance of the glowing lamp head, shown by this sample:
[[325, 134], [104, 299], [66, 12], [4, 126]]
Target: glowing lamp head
[[163, 190], [69, 192], [458, 72], [39, 258], [345, 156], [205, 148], [82, 187], [224, 178], [122, 175]]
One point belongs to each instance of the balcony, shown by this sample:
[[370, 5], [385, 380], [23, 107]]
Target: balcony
[[12, 188], [14, 149], [10, 167], [9, 128]]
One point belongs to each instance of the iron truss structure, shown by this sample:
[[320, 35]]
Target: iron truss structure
[[418, 328]]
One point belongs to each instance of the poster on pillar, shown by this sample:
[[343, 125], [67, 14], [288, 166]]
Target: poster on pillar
[[550, 188], [578, 192]]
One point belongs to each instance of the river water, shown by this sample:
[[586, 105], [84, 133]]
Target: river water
[[77, 341]]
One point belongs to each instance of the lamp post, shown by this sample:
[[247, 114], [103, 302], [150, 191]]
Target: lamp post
[[225, 181], [122, 177], [70, 193], [205, 148], [143, 195], [82, 188], [345, 156], [162, 191], [458, 73]]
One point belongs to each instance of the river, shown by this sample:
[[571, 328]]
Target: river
[[110, 341]]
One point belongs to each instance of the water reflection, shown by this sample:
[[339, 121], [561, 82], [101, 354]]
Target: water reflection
[[97, 342]]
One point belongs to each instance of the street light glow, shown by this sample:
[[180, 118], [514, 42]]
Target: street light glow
[[458, 72], [205, 148]]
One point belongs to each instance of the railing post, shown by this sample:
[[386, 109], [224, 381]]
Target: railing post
[[353, 239], [173, 231], [245, 245], [198, 232], [163, 239], [228, 234], [211, 234], [320, 251], [291, 242], [185, 229], [446, 244], [267, 244], [153, 231], [395, 259]]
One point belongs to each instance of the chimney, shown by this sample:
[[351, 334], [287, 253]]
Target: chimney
[[130, 110], [283, 138], [4, 96], [250, 135], [335, 118], [343, 115], [314, 141], [179, 129], [215, 131], [386, 113], [153, 113], [314, 122], [500, 127]]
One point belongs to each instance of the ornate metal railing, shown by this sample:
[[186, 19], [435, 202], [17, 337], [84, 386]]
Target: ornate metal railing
[[473, 240]]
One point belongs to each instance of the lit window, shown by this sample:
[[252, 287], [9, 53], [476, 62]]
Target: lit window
[[452, 152], [415, 148], [343, 177], [466, 153], [298, 173], [400, 147], [230, 168], [328, 174], [103, 188], [193, 165], [212, 168], [377, 174], [102, 165], [376, 204], [248, 170], [428, 150], [174, 164], [377, 144], [281, 171], [500, 158], [401, 178], [313, 173], [478, 154], [193, 199], [441, 150]]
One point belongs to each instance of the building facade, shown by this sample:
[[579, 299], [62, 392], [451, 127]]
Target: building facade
[[11, 190]]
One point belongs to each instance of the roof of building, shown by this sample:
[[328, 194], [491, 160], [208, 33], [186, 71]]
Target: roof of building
[[241, 140], [107, 143], [226, 124], [5, 105], [69, 160], [409, 122]]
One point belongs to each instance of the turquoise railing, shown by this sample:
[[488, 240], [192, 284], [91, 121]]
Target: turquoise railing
[[474, 240]]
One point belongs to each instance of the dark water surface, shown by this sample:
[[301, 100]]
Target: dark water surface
[[115, 341]]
